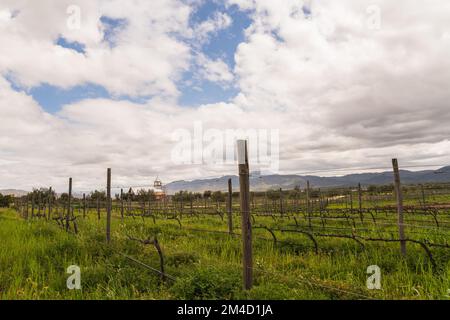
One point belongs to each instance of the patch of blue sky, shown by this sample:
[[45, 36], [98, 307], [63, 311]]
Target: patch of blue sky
[[78, 47], [52, 98], [111, 27], [222, 45]]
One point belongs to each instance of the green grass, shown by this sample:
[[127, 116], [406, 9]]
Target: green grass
[[35, 254]]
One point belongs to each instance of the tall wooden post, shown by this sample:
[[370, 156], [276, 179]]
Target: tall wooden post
[[121, 204], [360, 202], [423, 195], [308, 205], [84, 205], [244, 184], [98, 207], [39, 204], [230, 207], [351, 201], [182, 204], [49, 203], [281, 202], [108, 206], [26, 215], [398, 192], [69, 205], [32, 205]]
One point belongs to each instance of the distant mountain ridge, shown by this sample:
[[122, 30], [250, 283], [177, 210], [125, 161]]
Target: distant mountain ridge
[[262, 183], [13, 192]]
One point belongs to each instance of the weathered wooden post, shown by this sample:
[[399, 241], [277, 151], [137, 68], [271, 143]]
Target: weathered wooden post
[[121, 204], [50, 192], [360, 203], [39, 204], [69, 205], [281, 202], [182, 204], [230, 207], [98, 207], [129, 202], [244, 184], [351, 201], [84, 205], [27, 204], [308, 205], [423, 195], [32, 205], [108, 206], [398, 192]]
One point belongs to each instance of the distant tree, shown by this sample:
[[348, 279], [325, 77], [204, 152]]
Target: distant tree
[[314, 193], [97, 195], [5, 201], [380, 189], [42, 194], [218, 196], [197, 196], [273, 194], [207, 194], [144, 195], [64, 197], [294, 194], [182, 196]]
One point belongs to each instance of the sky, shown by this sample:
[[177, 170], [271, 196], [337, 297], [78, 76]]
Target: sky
[[162, 88]]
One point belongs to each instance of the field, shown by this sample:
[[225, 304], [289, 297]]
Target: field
[[316, 249]]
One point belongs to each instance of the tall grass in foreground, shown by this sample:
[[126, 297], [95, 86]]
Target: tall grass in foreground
[[34, 256]]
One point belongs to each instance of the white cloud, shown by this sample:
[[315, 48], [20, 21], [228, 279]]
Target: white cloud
[[147, 58], [206, 29], [214, 70], [341, 94]]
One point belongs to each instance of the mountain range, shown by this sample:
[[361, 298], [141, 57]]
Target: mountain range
[[265, 182], [13, 192]]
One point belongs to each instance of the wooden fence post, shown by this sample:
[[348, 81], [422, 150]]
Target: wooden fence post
[[32, 205], [49, 203], [230, 207], [281, 202], [121, 204], [84, 205], [26, 199], [360, 202], [423, 195], [69, 204], [98, 207], [244, 184], [108, 206], [39, 204], [398, 192], [308, 205], [351, 201]]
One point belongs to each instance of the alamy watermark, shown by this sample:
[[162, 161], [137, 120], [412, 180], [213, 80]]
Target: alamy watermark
[[74, 280], [374, 280], [74, 17], [217, 147]]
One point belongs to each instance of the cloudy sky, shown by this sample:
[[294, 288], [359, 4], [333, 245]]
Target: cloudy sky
[[86, 85]]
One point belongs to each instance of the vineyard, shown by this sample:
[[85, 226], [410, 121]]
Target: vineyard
[[306, 244]]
